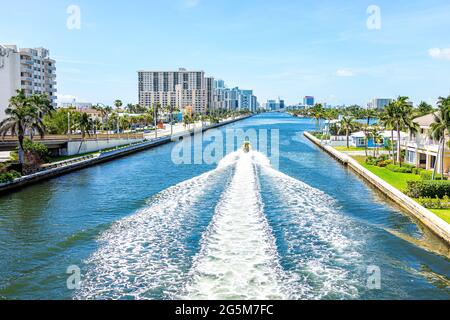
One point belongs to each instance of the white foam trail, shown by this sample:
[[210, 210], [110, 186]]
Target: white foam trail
[[238, 259], [317, 236], [144, 256]]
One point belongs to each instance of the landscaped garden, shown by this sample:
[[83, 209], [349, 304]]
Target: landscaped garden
[[414, 182]]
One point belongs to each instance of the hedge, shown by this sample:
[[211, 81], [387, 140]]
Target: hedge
[[435, 203], [403, 169], [9, 176], [428, 189]]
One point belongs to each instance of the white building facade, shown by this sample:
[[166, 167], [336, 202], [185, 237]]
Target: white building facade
[[179, 89], [31, 70]]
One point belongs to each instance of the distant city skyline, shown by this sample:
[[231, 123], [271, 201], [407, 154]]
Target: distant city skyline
[[290, 49]]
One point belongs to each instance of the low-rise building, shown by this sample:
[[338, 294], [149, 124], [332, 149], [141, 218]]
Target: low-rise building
[[422, 151]]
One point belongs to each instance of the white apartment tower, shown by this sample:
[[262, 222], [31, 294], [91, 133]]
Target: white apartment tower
[[182, 89], [29, 69]]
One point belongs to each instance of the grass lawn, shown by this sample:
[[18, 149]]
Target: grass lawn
[[399, 181], [444, 214], [64, 158], [396, 179], [344, 148]]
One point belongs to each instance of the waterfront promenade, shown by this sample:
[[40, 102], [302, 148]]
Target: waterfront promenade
[[83, 161]]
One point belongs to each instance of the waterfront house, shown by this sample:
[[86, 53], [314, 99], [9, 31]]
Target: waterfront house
[[358, 139], [421, 150]]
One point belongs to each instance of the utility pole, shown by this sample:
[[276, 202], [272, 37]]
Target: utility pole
[[69, 131], [155, 121]]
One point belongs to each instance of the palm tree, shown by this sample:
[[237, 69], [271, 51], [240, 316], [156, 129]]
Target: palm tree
[[22, 115], [439, 129], [366, 130], [388, 121], [423, 109], [375, 132], [402, 113], [347, 125], [370, 114], [156, 111], [118, 104], [84, 124], [317, 112]]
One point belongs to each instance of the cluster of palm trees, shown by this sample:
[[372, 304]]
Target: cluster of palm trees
[[24, 117], [440, 129], [35, 114], [396, 117]]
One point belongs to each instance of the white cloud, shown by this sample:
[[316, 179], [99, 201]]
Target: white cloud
[[438, 53], [345, 73]]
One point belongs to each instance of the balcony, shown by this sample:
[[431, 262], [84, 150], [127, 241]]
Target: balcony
[[422, 143], [27, 62]]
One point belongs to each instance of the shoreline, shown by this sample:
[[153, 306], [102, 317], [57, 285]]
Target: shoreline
[[28, 180], [436, 225]]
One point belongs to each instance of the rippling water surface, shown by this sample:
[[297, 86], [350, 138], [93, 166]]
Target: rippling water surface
[[144, 228]]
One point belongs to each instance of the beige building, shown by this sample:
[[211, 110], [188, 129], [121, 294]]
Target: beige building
[[422, 151], [180, 88]]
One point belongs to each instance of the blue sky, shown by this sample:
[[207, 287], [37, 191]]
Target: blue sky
[[278, 48]]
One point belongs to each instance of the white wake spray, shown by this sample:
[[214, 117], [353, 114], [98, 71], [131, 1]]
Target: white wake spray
[[238, 259], [144, 256]]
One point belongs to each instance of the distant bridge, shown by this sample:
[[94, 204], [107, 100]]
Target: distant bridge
[[9, 143]]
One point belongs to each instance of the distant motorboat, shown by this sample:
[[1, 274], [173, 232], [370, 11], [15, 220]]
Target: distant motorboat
[[246, 147]]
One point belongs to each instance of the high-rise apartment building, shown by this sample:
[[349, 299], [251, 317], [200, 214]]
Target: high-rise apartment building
[[29, 69], [309, 101], [378, 103], [180, 88], [191, 89], [234, 99]]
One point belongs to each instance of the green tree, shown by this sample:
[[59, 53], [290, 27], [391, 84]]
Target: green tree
[[439, 129], [84, 124], [347, 125], [402, 119], [317, 112], [118, 104], [424, 109], [388, 120], [22, 115]]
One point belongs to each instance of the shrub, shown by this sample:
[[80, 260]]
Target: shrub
[[381, 161], [403, 169], [35, 147], [426, 175], [9, 176], [435, 203], [428, 189]]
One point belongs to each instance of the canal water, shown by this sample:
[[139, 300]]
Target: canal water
[[143, 227]]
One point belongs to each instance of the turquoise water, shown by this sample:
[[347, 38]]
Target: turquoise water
[[143, 227]]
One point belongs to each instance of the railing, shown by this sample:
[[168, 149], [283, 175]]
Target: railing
[[78, 137], [64, 163], [420, 142]]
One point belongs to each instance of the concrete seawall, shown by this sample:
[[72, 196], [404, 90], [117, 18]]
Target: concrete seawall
[[438, 226], [104, 157]]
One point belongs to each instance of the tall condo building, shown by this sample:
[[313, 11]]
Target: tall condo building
[[180, 88], [29, 69], [234, 99], [378, 103], [309, 101]]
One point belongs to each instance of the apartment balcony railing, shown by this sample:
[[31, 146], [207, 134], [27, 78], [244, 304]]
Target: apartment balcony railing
[[424, 143]]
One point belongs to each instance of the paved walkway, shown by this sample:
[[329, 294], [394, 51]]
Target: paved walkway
[[4, 156]]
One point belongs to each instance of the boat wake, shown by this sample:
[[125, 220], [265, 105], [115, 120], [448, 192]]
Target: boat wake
[[238, 258], [181, 247]]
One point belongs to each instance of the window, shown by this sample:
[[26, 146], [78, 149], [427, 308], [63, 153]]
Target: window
[[411, 157]]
